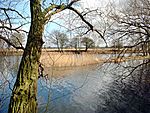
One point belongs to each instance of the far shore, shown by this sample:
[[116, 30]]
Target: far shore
[[11, 51], [71, 57]]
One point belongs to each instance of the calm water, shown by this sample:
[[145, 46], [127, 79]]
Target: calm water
[[66, 90]]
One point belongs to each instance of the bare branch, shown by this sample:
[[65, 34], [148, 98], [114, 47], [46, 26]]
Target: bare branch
[[89, 24], [81, 16], [8, 28], [8, 42], [8, 18], [72, 2], [135, 68], [57, 9], [17, 29], [9, 9], [101, 36]]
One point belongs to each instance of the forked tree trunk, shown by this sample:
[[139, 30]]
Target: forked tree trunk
[[23, 99]]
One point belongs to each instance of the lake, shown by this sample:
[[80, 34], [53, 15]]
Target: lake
[[82, 89]]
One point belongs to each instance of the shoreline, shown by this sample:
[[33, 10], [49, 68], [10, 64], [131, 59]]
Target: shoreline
[[71, 59], [12, 51]]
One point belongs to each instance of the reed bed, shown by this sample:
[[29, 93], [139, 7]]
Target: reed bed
[[67, 59], [64, 59]]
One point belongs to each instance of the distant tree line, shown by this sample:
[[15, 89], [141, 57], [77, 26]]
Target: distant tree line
[[60, 40]]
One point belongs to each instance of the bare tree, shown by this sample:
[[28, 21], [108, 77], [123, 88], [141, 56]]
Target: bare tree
[[132, 24], [59, 39], [87, 42], [24, 93], [75, 43]]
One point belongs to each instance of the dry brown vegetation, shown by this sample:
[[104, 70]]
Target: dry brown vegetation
[[64, 59], [53, 58]]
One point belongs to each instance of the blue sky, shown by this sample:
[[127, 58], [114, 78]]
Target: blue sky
[[23, 7]]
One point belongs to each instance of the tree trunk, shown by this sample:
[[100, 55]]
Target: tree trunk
[[23, 99], [86, 47]]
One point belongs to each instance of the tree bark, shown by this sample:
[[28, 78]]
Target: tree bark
[[23, 99]]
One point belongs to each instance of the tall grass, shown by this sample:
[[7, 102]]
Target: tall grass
[[63, 59]]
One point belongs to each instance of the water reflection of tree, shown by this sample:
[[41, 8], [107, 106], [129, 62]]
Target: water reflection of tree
[[130, 94], [8, 70], [55, 93]]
